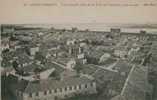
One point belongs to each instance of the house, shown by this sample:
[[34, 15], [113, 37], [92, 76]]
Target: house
[[6, 71], [71, 42], [33, 50], [83, 44], [123, 67], [67, 63], [68, 73], [115, 31], [81, 56], [14, 44], [50, 89], [94, 56], [4, 44], [36, 75], [81, 61], [120, 52], [133, 51], [71, 64], [25, 38], [104, 57], [8, 28], [21, 56], [40, 33], [74, 29]]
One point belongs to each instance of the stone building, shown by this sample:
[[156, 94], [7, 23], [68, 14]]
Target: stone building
[[34, 50], [51, 89]]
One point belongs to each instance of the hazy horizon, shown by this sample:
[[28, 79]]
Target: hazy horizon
[[97, 26]]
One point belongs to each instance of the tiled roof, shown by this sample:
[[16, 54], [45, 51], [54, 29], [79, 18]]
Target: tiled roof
[[58, 69], [48, 65], [87, 68], [23, 58], [117, 83], [103, 75], [123, 66], [108, 61], [96, 54], [63, 61], [30, 68]]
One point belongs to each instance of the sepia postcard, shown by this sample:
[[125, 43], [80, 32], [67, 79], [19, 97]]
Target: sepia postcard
[[78, 49]]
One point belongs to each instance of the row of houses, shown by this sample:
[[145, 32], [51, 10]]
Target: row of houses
[[51, 89]]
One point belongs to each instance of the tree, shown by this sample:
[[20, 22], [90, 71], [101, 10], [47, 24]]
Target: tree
[[15, 65], [55, 75]]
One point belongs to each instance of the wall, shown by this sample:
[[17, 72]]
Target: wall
[[63, 94]]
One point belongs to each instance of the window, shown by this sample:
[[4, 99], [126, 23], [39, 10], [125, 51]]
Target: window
[[45, 92], [85, 85], [55, 90], [55, 98], [60, 89], [70, 88], [65, 96], [30, 95], [91, 84], [36, 94], [65, 88], [75, 87], [19, 93], [50, 91], [79, 86]]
